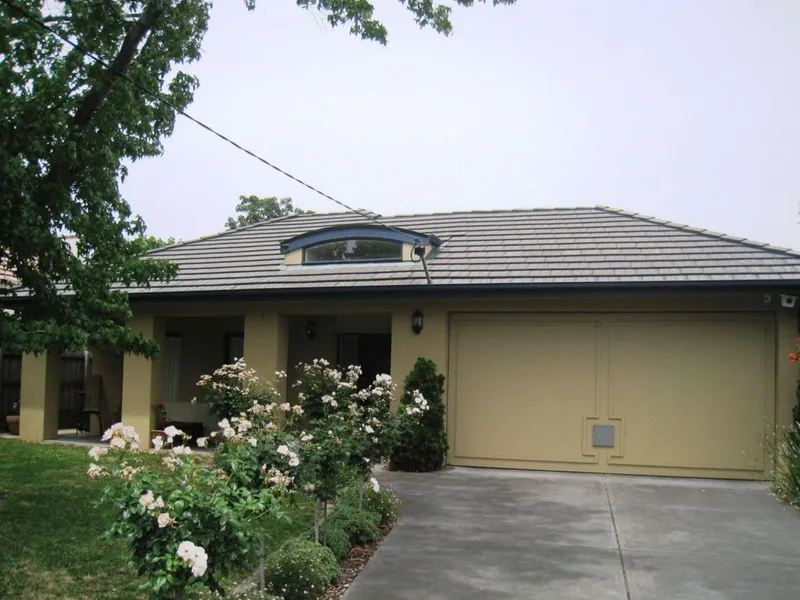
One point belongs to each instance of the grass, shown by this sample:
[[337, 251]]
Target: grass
[[51, 543]]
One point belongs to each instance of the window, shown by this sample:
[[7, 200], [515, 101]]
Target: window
[[234, 347], [356, 243], [354, 250]]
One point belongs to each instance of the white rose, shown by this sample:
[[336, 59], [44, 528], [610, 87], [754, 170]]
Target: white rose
[[98, 451], [375, 486], [164, 519]]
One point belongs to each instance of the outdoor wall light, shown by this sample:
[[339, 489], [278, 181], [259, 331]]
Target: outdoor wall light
[[311, 329], [416, 321]]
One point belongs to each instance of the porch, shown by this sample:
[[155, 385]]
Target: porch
[[140, 392]]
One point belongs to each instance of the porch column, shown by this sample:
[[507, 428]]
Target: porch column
[[266, 344], [141, 380], [431, 343], [39, 396]]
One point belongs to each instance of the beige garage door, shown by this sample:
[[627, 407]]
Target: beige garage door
[[662, 394]]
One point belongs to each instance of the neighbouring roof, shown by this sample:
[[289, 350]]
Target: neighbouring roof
[[568, 247]]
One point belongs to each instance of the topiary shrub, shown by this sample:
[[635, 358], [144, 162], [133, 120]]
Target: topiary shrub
[[383, 503], [360, 526], [420, 444], [300, 569]]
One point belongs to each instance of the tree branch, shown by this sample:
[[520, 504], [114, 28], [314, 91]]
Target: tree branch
[[138, 31]]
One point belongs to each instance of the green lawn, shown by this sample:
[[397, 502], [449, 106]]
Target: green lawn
[[50, 531]]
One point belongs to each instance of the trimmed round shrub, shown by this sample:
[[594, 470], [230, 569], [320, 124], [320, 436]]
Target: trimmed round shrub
[[334, 538], [360, 525], [383, 503], [301, 569]]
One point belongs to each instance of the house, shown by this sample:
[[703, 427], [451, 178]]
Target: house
[[581, 339]]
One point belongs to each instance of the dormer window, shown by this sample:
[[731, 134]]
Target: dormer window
[[356, 244], [363, 250]]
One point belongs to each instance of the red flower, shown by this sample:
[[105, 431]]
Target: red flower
[[793, 356]]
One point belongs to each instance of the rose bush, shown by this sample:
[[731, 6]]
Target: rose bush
[[185, 523], [232, 389]]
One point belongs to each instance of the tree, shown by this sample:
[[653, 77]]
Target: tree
[[68, 123], [254, 210]]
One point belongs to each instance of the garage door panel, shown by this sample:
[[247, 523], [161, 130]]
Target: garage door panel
[[686, 394], [523, 389], [691, 395]]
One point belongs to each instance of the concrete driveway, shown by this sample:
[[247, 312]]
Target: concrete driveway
[[481, 533]]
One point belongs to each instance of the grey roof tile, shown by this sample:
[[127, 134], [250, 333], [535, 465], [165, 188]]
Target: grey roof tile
[[535, 246]]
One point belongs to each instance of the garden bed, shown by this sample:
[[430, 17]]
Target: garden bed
[[352, 565]]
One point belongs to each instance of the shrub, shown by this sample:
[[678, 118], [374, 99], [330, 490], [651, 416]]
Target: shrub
[[420, 443], [359, 525], [232, 389], [336, 539], [170, 513], [301, 569], [383, 502], [787, 466]]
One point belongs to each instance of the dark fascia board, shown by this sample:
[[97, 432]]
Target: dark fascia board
[[487, 291], [349, 232]]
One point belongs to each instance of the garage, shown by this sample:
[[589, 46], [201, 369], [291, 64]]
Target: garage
[[683, 394]]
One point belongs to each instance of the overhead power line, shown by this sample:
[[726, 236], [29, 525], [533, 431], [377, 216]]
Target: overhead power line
[[160, 98]]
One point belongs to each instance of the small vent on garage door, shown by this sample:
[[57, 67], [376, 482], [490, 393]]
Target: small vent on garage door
[[603, 436]]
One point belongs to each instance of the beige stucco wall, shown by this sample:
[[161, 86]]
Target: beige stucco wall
[[269, 332], [108, 365], [39, 394], [141, 380]]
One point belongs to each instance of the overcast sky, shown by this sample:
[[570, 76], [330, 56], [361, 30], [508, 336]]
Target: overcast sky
[[686, 110]]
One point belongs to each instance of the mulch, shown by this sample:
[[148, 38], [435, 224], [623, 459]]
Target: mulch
[[356, 560]]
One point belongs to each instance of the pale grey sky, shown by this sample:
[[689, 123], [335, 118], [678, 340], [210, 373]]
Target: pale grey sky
[[686, 110]]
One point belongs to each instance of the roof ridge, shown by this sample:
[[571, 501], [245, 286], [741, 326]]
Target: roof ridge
[[699, 231]]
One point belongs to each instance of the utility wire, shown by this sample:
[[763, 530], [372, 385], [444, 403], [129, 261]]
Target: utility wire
[[160, 98]]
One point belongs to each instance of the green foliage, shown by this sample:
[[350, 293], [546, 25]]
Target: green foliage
[[301, 569], [787, 466], [383, 502], [159, 511], [253, 209], [151, 242], [334, 538], [352, 427], [358, 14], [796, 408], [69, 126], [359, 524], [420, 444], [232, 389]]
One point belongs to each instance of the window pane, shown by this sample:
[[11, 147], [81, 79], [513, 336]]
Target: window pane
[[365, 250]]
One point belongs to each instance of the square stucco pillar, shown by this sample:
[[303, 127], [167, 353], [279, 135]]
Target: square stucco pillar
[[39, 401], [266, 344], [141, 380], [407, 346]]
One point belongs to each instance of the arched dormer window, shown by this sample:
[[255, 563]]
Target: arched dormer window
[[355, 243]]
